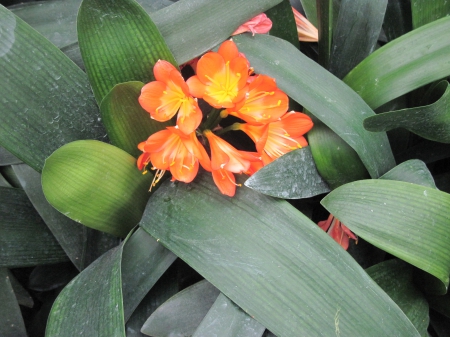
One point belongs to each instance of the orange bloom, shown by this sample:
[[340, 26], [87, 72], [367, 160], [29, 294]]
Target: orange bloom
[[221, 77], [277, 138], [338, 231], [173, 150], [264, 102], [305, 29], [260, 24], [168, 95], [226, 160]]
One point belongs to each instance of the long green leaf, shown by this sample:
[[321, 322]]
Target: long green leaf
[[226, 319], [322, 94], [406, 220], [356, 33], [119, 43], [82, 245], [125, 120], [395, 277], [404, 64], [292, 176], [397, 20], [24, 237], [412, 171], [430, 121], [325, 28], [270, 260], [424, 11], [283, 22], [6, 158], [11, 321], [46, 99], [96, 184]]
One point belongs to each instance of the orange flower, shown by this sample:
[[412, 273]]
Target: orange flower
[[221, 77], [168, 95], [305, 29], [277, 138], [260, 24], [338, 231], [173, 150], [264, 102], [226, 160]]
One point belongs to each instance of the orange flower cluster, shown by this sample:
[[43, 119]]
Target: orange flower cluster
[[225, 81]]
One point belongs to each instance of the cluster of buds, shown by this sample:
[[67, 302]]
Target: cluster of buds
[[224, 80]]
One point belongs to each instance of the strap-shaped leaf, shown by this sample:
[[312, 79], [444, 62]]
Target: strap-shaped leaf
[[11, 321], [271, 260], [226, 319], [412, 171], [96, 184], [406, 220], [322, 94], [397, 20], [292, 176], [6, 158], [181, 314], [430, 121], [24, 237], [395, 277], [99, 291], [119, 43], [82, 245], [424, 11], [44, 104], [125, 120], [388, 73]]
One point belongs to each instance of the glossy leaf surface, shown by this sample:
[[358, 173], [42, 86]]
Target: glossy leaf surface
[[406, 220], [240, 245], [96, 184], [292, 176], [322, 94], [45, 104], [393, 69]]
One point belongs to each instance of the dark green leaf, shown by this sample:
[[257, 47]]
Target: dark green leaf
[[226, 319], [82, 245], [96, 184], [309, 7], [182, 313], [325, 27], [356, 33], [395, 277], [406, 220], [11, 321], [44, 104], [119, 43], [430, 121], [126, 122], [23, 297], [270, 260], [397, 20], [292, 176], [425, 11], [411, 171], [25, 240], [320, 93], [387, 73], [283, 22], [6, 158]]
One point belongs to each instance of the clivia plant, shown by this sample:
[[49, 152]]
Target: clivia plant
[[225, 168]]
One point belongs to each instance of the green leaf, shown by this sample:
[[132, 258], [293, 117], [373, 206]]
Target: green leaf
[[96, 184], [24, 237], [309, 6], [336, 161], [106, 292], [395, 277], [119, 43], [226, 319], [283, 22], [82, 245], [44, 104], [424, 11], [292, 176], [406, 220], [412, 171], [325, 27], [320, 93], [191, 28], [387, 73], [397, 20], [430, 121], [125, 120], [248, 244], [181, 314], [356, 33], [11, 321], [22, 295], [6, 158]]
